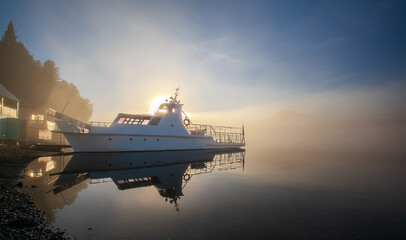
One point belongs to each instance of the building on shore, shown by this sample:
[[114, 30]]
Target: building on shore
[[25, 124], [37, 126], [10, 123]]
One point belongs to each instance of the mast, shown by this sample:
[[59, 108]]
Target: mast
[[176, 95]]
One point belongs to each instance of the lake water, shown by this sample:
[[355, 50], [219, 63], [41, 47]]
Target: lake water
[[259, 193]]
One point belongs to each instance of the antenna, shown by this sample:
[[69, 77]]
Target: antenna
[[176, 94], [65, 106]]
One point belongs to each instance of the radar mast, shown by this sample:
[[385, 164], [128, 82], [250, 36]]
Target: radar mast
[[176, 95]]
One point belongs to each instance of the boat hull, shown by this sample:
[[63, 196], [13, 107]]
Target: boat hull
[[85, 142]]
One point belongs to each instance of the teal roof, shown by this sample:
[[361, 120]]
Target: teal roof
[[5, 93]]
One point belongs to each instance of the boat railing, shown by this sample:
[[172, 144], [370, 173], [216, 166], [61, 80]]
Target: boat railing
[[101, 124], [221, 162], [220, 134]]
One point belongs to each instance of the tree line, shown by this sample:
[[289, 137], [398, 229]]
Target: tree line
[[36, 84]]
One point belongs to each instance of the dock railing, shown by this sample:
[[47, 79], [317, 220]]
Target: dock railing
[[220, 134]]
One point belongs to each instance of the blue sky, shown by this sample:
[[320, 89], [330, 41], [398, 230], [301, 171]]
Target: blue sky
[[225, 55]]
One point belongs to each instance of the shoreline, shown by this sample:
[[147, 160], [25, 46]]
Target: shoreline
[[19, 217]]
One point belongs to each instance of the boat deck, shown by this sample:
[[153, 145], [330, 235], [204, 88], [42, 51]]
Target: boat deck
[[220, 134]]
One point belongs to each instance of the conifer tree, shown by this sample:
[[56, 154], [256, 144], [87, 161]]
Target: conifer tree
[[9, 36], [37, 84]]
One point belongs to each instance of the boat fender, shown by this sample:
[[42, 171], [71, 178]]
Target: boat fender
[[186, 121], [186, 177]]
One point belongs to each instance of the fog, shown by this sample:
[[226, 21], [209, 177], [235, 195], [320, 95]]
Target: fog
[[364, 120]]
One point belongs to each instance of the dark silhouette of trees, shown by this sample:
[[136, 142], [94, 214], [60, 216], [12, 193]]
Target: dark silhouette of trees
[[9, 36], [37, 84]]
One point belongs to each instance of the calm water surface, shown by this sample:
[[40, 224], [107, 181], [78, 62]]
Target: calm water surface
[[253, 194]]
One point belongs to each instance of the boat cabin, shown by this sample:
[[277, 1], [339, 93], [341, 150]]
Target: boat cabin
[[164, 109]]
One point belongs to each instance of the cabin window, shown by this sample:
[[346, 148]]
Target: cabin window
[[37, 117], [134, 119], [171, 108], [154, 121], [163, 110]]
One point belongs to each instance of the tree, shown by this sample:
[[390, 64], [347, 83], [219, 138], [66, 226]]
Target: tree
[[35, 83], [9, 36]]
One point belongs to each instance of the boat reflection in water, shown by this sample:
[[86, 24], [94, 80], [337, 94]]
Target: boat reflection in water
[[168, 171]]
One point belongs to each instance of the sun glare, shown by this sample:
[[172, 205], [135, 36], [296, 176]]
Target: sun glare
[[154, 104]]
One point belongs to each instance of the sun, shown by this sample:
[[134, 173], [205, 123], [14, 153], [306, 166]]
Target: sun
[[154, 104]]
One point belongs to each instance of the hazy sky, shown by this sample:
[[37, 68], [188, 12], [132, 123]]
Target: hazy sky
[[307, 56]]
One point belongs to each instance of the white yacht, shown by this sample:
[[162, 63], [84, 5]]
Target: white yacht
[[167, 129]]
